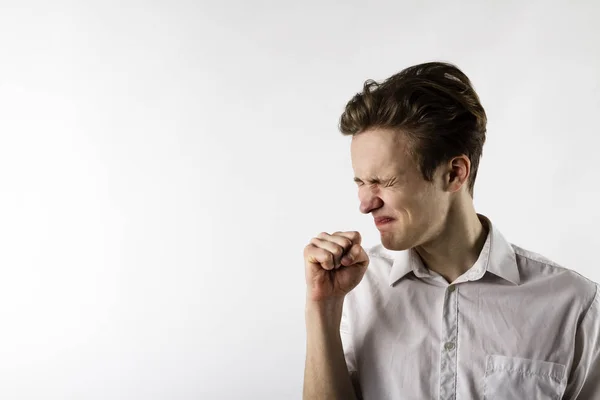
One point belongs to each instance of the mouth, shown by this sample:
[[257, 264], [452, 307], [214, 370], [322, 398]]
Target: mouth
[[383, 221]]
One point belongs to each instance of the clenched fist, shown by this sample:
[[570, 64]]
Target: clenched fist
[[334, 265]]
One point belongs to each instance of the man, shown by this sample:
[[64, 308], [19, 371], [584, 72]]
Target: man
[[445, 307]]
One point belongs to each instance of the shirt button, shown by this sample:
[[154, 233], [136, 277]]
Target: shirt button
[[449, 346], [451, 288]]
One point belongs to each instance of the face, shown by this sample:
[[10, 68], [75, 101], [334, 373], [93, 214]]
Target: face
[[390, 184]]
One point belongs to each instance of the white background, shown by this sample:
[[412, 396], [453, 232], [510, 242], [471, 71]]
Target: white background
[[163, 164]]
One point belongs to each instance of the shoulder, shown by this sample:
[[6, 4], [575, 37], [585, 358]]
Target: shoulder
[[556, 278]]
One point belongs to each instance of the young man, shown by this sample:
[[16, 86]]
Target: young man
[[446, 307]]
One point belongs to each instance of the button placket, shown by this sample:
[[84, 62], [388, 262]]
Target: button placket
[[448, 357]]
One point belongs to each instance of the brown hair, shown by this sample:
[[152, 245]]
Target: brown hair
[[434, 104]]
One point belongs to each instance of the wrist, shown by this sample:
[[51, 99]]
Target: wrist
[[327, 312]]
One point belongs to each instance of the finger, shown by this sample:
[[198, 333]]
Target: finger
[[354, 236], [332, 247], [316, 255], [342, 241], [354, 256]]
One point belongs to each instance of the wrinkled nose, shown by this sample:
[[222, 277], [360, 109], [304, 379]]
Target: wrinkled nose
[[369, 201]]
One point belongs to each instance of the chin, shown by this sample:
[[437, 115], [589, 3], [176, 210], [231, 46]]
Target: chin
[[394, 244]]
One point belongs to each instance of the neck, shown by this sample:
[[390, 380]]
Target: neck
[[457, 246]]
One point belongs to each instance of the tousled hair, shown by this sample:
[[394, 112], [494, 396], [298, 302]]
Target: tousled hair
[[434, 104]]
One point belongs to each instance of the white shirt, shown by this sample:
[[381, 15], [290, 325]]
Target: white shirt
[[515, 326]]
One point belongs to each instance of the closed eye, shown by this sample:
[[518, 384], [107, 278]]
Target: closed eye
[[384, 182]]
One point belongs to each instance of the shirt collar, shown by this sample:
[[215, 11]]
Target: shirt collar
[[497, 257]]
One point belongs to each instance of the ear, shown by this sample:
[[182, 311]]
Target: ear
[[459, 169]]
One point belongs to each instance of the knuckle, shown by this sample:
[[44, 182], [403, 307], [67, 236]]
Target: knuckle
[[309, 250], [324, 258], [353, 250], [337, 251]]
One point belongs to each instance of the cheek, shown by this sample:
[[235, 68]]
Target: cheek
[[406, 194], [401, 201], [415, 204], [432, 205]]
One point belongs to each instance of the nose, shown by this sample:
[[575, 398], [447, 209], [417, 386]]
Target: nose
[[369, 201]]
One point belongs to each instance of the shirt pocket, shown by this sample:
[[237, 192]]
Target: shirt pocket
[[510, 378]]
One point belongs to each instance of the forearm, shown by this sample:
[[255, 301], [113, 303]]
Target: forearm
[[326, 373]]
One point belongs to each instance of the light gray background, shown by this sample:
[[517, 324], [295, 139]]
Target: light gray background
[[163, 164]]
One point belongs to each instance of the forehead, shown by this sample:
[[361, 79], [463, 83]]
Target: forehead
[[378, 152]]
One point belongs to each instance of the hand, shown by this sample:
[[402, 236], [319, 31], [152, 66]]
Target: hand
[[334, 265]]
